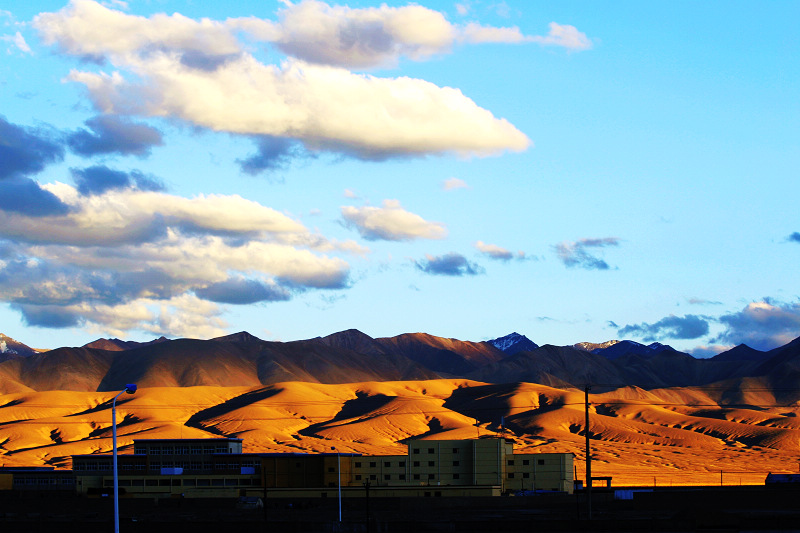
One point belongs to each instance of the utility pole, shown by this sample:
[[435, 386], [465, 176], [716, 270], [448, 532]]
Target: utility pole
[[588, 456]]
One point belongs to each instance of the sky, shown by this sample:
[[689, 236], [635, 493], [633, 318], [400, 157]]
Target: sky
[[573, 171]]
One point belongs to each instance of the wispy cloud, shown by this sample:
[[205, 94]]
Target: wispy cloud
[[451, 264], [577, 254], [702, 301], [497, 252], [451, 184], [391, 223]]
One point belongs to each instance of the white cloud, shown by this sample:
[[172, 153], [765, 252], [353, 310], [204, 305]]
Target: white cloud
[[199, 71], [391, 223], [129, 259], [451, 184], [565, 36], [18, 41], [355, 38], [561, 35], [326, 108], [494, 251]]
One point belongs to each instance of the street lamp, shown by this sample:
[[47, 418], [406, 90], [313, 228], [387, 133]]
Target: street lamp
[[130, 388], [339, 471]]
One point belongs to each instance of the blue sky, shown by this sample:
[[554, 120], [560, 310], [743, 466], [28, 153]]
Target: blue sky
[[573, 171]]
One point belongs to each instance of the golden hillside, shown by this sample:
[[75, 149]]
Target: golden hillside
[[663, 436]]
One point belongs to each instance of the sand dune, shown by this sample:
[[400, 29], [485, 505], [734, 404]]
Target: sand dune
[[677, 436]]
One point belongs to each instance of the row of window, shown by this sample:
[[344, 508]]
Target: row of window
[[41, 481], [433, 450], [178, 482], [402, 477], [181, 450], [525, 462]]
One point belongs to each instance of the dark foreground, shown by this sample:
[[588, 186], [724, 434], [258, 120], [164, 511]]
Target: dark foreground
[[739, 509]]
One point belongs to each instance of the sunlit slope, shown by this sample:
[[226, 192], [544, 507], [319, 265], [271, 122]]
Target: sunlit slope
[[678, 436]]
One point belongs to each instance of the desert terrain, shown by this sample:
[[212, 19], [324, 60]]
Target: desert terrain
[[662, 437]]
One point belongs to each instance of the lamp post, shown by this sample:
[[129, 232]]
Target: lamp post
[[130, 388], [339, 472]]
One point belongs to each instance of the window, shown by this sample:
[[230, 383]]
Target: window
[[163, 483], [401, 464], [181, 450], [416, 463], [431, 463], [416, 450], [387, 464], [387, 477], [373, 477], [510, 462], [167, 450], [431, 450], [230, 482], [540, 461], [431, 476], [526, 475], [189, 483], [455, 450], [221, 448], [151, 483], [373, 464], [456, 463], [525, 462], [402, 477], [155, 450], [217, 482], [416, 476], [137, 482], [358, 477], [358, 464], [203, 482], [331, 469], [511, 475], [208, 449], [456, 476], [197, 450]]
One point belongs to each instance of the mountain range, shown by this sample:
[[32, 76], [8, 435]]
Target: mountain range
[[654, 412], [349, 356]]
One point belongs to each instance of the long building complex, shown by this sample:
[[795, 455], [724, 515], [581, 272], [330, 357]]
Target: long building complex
[[217, 467]]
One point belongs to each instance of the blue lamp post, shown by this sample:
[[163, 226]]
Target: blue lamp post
[[130, 389]]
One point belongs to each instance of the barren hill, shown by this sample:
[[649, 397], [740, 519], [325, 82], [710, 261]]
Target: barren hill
[[654, 416]]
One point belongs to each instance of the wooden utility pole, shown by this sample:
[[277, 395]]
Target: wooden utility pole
[[588, 456]]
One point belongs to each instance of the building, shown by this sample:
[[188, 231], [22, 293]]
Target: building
[[217, 467]]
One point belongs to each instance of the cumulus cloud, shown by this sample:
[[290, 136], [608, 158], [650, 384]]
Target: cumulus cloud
[[25, 151], [451, 264], [326, 108], [671, 327], [99, 179], [26, 197], [391, 223], [123, 258], [762, 325], [113, 134], [576, 254], [451, 184], [565, 36]]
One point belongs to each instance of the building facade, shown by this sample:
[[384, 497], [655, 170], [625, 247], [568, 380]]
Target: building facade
[[217, 467]]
